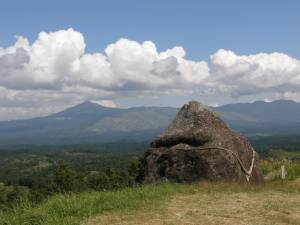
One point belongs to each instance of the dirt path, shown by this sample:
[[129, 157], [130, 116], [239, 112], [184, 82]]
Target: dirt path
[[272, 208]]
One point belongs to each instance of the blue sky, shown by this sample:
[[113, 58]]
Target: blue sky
[[259, 60], [201, 27]]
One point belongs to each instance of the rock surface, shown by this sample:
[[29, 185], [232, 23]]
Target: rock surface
[[197, 146]]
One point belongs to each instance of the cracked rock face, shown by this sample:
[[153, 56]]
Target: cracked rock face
[[198, 146]]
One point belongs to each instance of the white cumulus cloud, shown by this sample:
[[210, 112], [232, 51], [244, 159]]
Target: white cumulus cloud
[[107, 103], [55, 71], [252, 74]]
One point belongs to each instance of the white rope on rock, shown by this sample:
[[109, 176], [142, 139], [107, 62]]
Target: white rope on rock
[[248, 172]]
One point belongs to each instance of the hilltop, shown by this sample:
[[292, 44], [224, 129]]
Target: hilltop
[[198, 203]]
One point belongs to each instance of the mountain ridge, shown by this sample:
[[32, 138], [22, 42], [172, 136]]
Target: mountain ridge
[[90, 122]]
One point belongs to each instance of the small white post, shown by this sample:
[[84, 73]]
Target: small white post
[[282, 172]]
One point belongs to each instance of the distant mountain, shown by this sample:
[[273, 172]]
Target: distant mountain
[[281, 117], [92, 123], [88, 123], [280, 111]]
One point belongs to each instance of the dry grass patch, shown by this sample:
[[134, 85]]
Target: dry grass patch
[[255, 208]]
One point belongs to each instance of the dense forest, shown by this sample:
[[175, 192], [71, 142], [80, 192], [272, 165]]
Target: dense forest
[[37, 172]]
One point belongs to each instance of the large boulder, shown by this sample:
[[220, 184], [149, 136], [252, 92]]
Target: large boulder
[[198, 146]]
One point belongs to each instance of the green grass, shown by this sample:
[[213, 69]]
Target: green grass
[[73, 209], [271, 169]]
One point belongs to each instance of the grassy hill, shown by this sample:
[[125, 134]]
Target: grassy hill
[[198, 203], [101, 187]]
